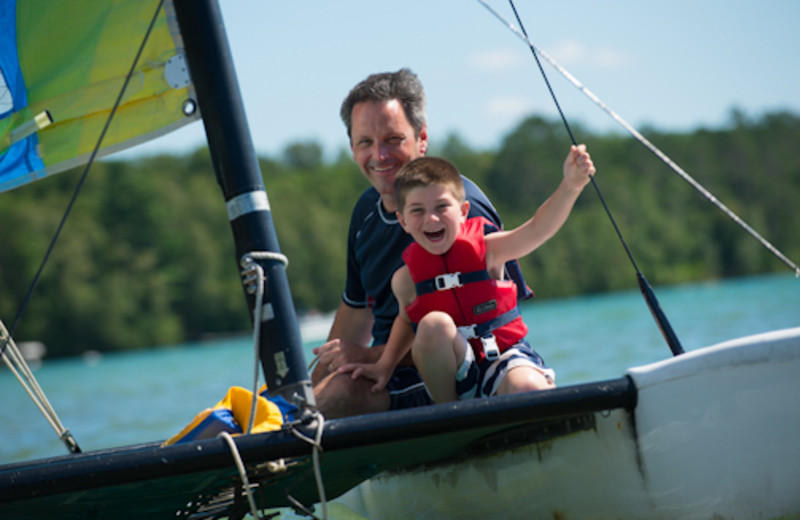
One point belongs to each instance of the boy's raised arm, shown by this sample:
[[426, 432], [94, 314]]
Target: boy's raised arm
[[551, 215]]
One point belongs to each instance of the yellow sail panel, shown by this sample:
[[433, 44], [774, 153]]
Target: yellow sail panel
[[74, 57]]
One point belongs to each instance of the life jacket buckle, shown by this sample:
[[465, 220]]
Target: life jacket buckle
[[490, 348], [447, 281]]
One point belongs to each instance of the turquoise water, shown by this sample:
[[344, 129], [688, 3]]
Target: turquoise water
[[143, 396]]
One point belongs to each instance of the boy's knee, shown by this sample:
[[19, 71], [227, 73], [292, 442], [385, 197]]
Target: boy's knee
[[524, 379], [436, 324]]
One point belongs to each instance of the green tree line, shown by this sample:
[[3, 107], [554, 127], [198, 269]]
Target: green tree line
[[147, 258]]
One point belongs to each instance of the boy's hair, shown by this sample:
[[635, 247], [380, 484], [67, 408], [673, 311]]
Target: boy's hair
[[427, 171], [402, 85]]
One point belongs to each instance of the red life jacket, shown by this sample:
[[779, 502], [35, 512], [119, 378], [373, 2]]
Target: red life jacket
[[457, 283]]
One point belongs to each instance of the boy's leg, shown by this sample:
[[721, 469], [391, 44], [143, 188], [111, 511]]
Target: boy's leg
[[438, 351], [519, 369], [523, 378]]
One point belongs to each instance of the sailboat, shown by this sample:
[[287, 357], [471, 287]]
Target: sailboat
[[705, 434]]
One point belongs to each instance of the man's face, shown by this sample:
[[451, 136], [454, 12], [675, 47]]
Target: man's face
[[382, 141]]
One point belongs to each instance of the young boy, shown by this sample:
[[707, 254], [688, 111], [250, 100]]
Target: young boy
[[469, 339]]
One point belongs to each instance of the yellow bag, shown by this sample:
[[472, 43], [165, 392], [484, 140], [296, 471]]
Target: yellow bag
[[232, 415]]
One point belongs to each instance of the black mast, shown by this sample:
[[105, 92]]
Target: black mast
[[239, 176]]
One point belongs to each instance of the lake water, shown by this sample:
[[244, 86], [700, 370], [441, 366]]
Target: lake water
[[128, 398]]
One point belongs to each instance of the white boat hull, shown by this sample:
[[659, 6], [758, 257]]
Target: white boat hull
[[713, 435]]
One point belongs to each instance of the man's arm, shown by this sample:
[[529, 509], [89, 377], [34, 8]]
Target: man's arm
[[352, 324], [398, 346], [348, 342]]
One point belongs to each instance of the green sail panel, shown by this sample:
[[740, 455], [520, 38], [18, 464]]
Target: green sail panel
[[73, 58]]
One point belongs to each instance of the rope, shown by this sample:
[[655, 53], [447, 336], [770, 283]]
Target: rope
[[650, 146], [575, 142], [15, 361], [242, 473], [316, 443], [266, 255], [647, 291], [256, 340], [253, 279]]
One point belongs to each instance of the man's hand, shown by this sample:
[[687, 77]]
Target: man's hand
[[373, 371], [336, 353]]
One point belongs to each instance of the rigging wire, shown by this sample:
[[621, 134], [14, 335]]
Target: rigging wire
[[642, 139], [575, 142], [64, 434], [89, 164], [647, 291], [16, 363]]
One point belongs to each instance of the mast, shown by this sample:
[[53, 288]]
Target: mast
[[239, 176]]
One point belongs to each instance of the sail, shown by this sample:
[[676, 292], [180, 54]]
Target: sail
[[66, 61]]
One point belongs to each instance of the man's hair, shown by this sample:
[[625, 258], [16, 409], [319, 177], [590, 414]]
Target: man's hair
[[402, 85], [427, 171]]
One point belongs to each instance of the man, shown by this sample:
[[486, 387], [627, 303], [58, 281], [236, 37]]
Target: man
[[385, 120]]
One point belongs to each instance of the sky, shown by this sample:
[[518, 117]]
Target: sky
[[675, 65]]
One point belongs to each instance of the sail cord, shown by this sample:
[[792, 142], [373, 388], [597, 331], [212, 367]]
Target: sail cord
[[258, 309], [647, 291], [237, 458], [253, 280], [92, 157], [575, 142], [316, 443], [15, 361], [650, 146]]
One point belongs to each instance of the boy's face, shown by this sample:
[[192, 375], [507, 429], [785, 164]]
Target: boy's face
[[432, 216]]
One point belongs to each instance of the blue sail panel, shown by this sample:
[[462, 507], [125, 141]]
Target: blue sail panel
[[18, 160]]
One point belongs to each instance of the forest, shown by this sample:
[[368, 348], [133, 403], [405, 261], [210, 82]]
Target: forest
[[146, 257]]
